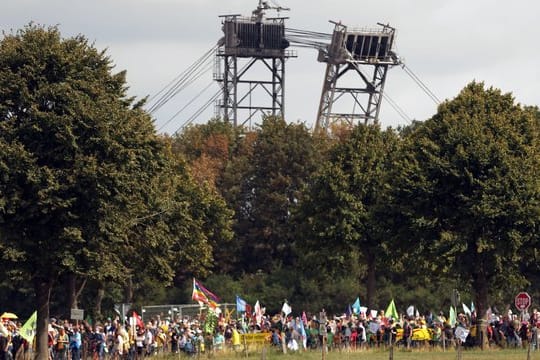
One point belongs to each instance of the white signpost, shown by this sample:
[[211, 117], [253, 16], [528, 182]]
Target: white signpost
[[77, 314]]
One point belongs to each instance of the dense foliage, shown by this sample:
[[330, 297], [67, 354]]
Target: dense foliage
[[468, 185], [87, 189], [94, 204]]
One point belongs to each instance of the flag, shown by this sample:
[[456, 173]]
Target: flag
[[466, 310], [138, 320], [258, 313], [356, 306], [197, 293], [452, 316], [200, 291], [348, 312], [240, 304], [249, 311], [286, 308], [28, 330], [205, 296], [391, 311], [303, 334], [410, 311], [304, 318]]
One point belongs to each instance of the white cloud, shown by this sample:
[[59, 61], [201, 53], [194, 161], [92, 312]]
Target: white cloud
[[446, 43]]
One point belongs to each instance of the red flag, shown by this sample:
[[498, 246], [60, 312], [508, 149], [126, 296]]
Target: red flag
[[138, 319], [249, 311]]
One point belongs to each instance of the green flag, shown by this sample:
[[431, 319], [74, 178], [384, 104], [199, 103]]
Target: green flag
[[28, 330], [452, 317], [391, 311]]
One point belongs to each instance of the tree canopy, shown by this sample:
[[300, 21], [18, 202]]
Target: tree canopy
[[467, 182], [90, 194], [341, 209], [86, 185]]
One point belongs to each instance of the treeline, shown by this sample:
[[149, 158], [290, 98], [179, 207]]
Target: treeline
[[410, 213], [96, 208]]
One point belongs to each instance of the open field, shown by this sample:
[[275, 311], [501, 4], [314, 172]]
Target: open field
[[399, 354]]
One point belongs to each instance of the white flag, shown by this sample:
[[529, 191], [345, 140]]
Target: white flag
[[286, 309], [258, 313], [410, 311]]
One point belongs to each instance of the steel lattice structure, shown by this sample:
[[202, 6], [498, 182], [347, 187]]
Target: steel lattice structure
[[248, 42], [365, 56]]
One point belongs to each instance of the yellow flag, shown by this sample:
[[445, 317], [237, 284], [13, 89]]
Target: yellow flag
[[28, 330]]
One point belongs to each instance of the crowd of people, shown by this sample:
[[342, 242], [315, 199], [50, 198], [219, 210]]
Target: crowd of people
[[133, 339]]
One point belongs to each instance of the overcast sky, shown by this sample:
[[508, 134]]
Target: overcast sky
[[446, 43]]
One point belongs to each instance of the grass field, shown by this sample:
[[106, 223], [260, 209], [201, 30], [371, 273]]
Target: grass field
[[399, 354]]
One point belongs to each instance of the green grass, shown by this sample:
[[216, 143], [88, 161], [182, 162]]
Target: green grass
[[399, 354]]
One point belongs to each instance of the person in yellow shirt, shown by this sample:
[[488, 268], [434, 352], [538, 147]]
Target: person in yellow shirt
[[235, 339]]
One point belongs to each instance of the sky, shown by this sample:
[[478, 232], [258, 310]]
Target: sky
[[446, 43]]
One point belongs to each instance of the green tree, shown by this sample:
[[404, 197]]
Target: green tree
[[468, 190], [208, 150], [76, 154], [341, 208], [282, 159]]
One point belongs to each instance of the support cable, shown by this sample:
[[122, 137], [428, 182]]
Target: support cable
[[200, 111], [421, 84], [172, 88], [185, 106], [193, 75], [397, 108], [202, 58]]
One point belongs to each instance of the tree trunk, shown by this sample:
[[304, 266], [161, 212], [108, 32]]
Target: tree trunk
[[128, 291], [99, 299], [480, 288], [370, 284], [74, 290], [72, 302], [43, 289]]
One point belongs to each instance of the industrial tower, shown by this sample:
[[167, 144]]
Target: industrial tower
[[249, 41], [364, 55]]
